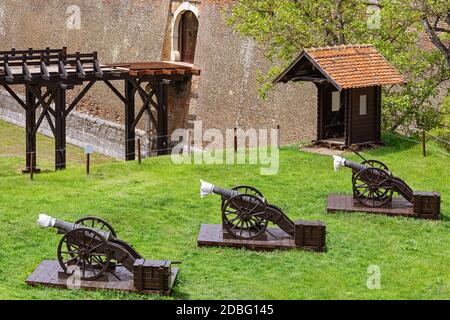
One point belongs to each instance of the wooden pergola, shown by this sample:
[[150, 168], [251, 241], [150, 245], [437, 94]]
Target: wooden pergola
[[48, 74]]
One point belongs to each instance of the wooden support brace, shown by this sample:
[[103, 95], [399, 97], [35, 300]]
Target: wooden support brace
[[80, 70], [118, 94], [62, 69], [44, 71], [9, 76], [45, 110], [15, 96], [78, 98], [26, 72]]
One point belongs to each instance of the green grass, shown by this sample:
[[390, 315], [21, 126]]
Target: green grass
[[12, 151], [157, 208]]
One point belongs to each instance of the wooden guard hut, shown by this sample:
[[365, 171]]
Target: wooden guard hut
[[349, 80]]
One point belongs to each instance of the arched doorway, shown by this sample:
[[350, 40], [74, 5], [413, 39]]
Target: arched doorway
[[187, 36]]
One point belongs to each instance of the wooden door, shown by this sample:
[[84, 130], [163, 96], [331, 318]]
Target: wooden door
[[364, 121], [188, 36]]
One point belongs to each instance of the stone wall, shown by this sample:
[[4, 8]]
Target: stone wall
[[106, 137], [121, 31], [228, 90]]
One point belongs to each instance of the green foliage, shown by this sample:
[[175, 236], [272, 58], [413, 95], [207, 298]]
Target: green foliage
[[283, 27], [443, 131]]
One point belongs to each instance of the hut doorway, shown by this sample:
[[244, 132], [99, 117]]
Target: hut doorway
[[332, 112], [188, 31]]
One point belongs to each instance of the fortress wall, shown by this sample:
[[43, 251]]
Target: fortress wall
[[228, 90], [224, 96]]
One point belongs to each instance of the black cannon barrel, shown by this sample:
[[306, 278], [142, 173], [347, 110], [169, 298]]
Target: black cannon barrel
[[208, 188], [338, 162], [226, 193], [65, 227]]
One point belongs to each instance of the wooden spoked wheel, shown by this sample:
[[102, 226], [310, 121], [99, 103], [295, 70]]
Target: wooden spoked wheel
[[96, 223], [247, 190], [372, 187], [375, 164], [86, 250], [243, 216]]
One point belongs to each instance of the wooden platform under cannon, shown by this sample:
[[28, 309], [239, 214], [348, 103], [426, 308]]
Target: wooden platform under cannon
[[48, 273], [398, 207], [211, 235]]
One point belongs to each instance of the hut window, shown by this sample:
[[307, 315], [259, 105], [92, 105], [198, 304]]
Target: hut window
[[363, 105], [335, 101]]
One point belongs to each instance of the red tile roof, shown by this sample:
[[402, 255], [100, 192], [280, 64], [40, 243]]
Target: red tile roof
[[351, 66]]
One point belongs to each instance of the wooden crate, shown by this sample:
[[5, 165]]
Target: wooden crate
[[152, 275], [310, 235], [427, 203]]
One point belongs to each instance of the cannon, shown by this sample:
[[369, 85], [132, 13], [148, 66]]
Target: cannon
[[375, 186], [246, 215], [90, 249]]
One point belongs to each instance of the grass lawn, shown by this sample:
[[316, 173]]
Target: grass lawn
[[157, 208]]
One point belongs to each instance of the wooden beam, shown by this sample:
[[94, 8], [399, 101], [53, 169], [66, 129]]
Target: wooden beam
[[45, 108], [309, 79], [78, 98], [130, 130], [15, 96], [60, 129], [118, 94]]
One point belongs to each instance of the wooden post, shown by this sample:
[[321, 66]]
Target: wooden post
[[88, 163], [424, 148], [163, 127], [30, 120], [279, 139], [235, 140], [31, 167], [189, 142], [130, 131], [60, 129], [139, 150]]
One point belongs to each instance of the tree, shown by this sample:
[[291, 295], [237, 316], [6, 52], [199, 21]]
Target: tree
[[283, 27], [435, 17]]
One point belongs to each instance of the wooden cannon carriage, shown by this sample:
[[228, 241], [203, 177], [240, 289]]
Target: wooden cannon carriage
[[246, 215], [377, 190], [90, 256]]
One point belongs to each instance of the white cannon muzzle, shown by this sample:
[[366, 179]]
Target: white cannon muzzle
[[206, 188], [338, 162], [46, 221]]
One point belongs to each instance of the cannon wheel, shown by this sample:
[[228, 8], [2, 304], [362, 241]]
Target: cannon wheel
[[242, 216], [372, 187], [375, 164], [96, 223], [246, 190], [77, 249]]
